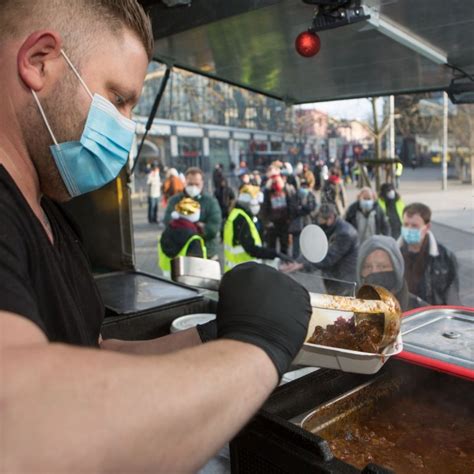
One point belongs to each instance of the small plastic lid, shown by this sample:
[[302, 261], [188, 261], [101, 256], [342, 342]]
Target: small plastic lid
[[190, 321]]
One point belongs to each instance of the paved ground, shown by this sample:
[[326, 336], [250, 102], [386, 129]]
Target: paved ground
[[453, 224]]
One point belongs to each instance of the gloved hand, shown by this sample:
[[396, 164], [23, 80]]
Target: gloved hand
[[207, 331], [263, 307]]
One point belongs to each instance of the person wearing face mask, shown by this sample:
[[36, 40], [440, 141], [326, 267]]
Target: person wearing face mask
[[341, 258], [242, 239], [277, 210], [391, 203], [304, 214], [244, 178], [181, 237], [366, 215], [333, 190], [211, 217], [381, 263], [71, 74], [431, 270]]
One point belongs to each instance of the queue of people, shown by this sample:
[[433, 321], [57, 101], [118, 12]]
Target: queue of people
[[374, 239], [71, 401]]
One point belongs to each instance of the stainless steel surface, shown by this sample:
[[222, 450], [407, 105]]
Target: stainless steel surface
[[132, 292], [198, 272], [255, 48], [441, 334], [105, 221], [341, 407]]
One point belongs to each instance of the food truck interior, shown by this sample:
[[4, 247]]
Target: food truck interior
[[401, 46]]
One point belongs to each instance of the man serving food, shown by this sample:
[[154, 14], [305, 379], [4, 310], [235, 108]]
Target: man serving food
[[71, 74]]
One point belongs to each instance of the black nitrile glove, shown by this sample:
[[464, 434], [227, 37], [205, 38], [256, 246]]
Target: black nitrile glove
[[266, 308], [207, 331]]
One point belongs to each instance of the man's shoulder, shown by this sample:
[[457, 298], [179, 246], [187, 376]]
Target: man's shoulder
[[208, 200], [346, 228], [13, 212], [444, 253], [174, 199]]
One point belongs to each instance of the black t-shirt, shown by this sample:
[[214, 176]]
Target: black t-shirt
[[50, 285]]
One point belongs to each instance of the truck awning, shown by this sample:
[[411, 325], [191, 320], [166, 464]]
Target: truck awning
[[250, 43]]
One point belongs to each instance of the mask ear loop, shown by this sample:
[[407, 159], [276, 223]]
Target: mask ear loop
[[77, 74], [39, 103], [44, 118]]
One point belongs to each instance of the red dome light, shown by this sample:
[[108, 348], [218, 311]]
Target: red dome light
[[307, 44]]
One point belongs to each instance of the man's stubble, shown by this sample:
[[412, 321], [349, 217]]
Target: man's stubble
[[64, 115]]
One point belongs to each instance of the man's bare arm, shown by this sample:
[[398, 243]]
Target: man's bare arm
[[65, 409], [160, 345]]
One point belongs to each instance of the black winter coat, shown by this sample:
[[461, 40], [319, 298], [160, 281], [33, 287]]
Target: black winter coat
[[381, 223], [341, 259], [440, 282]]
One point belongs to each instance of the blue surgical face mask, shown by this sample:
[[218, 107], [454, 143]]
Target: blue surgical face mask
[[411, 236], [103, 149], [304, 192], [366, 204]]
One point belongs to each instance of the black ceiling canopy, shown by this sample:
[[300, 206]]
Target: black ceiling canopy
[[250, 43]]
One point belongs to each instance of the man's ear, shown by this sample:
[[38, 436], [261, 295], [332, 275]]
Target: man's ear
[[428, 226], [35, 57]]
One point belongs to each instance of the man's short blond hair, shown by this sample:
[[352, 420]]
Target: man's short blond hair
[[79, 22]]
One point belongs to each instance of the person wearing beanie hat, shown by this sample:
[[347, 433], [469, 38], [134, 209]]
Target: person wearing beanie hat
[[181, 237], [242, 239], [210, 222], [380, 262]]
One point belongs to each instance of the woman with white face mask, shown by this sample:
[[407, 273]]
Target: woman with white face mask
[[242, 239], [366, 215], [393, 206]]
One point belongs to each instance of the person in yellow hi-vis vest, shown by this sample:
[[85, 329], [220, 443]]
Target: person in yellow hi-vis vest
[[181, 237], [393, 206], [242, 239]]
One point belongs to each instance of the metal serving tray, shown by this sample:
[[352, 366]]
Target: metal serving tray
[[442, 338], [135, 292]]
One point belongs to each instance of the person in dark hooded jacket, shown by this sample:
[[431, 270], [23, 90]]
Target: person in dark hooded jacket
[[182, 236], [380, 262], [339, 266]]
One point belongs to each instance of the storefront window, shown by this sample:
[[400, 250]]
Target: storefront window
[[190, 153], [219, 152]]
